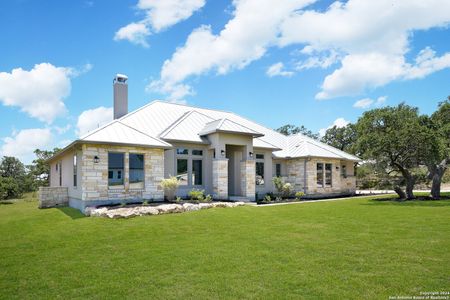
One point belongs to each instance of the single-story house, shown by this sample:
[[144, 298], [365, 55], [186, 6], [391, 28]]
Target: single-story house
[[227, 155]]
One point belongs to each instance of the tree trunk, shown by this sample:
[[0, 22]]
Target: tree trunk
[[409, 187], [436, 174], [401, 194]]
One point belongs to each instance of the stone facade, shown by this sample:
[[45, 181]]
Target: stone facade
[[220, 178], [248, 179], [53, 196], [295, 171], [94, 176]]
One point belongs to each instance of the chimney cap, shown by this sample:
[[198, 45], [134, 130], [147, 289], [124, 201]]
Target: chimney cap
[[121, 78]]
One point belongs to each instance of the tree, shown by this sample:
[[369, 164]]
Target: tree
[[40, 169], [290, 129], [342, 138], [438, 156], [9, 188], [396, 140], [11, 167]]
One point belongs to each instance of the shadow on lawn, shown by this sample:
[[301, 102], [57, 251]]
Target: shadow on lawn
[[71, 212], [5, 202], [445, 201]]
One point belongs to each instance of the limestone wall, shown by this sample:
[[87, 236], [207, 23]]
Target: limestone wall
[[220, 178], [248, 178], [94, 176], [53, 196]]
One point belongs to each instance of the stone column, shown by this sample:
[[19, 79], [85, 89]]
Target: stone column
[[220, 178], [248, 179]]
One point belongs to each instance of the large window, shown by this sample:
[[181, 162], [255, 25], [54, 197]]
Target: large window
[[320, 174], [116, 167], [259, 180], [136, 171], [75, 170], [278, 170], [60, 173], [328, 174], [344, 171], [197, 172], [182, 171]]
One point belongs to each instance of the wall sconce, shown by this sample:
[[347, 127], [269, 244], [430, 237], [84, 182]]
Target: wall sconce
[[222, 152], [96, 159], [337, 167], [250, 154]]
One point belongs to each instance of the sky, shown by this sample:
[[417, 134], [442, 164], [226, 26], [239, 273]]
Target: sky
[[302, 62]]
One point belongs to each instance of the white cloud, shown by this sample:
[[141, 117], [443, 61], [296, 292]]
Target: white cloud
[[62, 129], [38, 92], [427, 63], [22, 144], [277, 70], [368, 102], [93, 118], [253, 28], [160, 14], [339, 123], [136, 33], [319, 61]]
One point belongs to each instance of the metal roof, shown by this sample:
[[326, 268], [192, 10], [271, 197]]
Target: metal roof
[[226, 125]]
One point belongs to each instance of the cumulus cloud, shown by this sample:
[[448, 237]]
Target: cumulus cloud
[[253, 28], [277, 70], [368, 102], [39, 92], [339, 123], [159, 15], [91, 119], [22, 143]]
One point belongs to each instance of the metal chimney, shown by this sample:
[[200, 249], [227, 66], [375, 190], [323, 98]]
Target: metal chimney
[[120, 87]]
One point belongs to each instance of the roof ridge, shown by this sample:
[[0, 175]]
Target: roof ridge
[[191, 106], [156, 139], [174, 123], [89, 133], [243, 126]]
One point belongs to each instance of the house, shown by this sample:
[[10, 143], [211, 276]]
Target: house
[[227, 155]]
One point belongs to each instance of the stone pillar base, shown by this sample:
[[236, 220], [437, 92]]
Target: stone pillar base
[[248, 188], [220, 178]]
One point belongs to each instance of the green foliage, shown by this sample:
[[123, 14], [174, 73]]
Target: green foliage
[[197, 194], [40, 169], [342, 138], [9, 188], [299, 195], [170, 186], [290, 129], [287, 189], [178, 200], [267, 198], [208, 198], [278, 184]]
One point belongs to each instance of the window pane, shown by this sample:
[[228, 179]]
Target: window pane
[[344, 170], [197, 172], [116, 166], [182, 171], [259, 156], [75, 170], [328, 172], [136, 171], [319, 174], [197, 152], [278, 170], [259, 173], [182, 151]]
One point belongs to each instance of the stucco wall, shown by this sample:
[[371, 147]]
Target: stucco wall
[[66, 163]]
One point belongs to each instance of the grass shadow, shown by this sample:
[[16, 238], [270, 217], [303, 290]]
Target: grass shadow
[[71, 212], [409, 203], [6, 202]]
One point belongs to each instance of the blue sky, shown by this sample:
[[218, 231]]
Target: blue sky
[[311, 63]]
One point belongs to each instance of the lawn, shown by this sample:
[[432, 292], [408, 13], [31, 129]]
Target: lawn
[[348, 249]]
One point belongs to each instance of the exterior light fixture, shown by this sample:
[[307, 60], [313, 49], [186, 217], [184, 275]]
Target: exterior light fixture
[[250, 154], [96, 159], [337, 167], [222, 152]]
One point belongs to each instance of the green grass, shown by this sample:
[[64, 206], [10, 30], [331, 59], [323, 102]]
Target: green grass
[[349, 249]]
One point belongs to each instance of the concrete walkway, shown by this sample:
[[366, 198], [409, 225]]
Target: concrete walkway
[[319, 200]]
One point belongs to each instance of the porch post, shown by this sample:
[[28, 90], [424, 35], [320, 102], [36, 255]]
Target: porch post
[[220, 178], [248, 179]]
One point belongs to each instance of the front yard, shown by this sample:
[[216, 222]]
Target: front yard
[[347, 249]]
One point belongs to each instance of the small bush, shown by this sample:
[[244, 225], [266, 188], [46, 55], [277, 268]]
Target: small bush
[[178, 200], [197, 194], [208, 198], [170, 186], [299, 195], [267, 198], [287, 189], [278, 184]]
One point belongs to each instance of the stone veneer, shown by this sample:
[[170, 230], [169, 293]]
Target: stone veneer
[[53, 196], [248, 179], [295, 169], [220, 178], [94, 176]]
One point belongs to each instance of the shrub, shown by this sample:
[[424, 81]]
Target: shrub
[[208, 198], [170, 186], [299, 195], [267, 198], [9, 188], [278, 184], [178, 200], [287, 189], [197, 194], [278, 199]]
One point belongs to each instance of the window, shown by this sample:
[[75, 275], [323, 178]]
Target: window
[[320, 174], [182, 171], [110, 174], [136, 171], [259, 156], [197, 152], [328, 174], [197, 172], [278, 170], [182, 151], [75, 170], [115, 166], [259, 180], [56, 167], [344, 171]]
